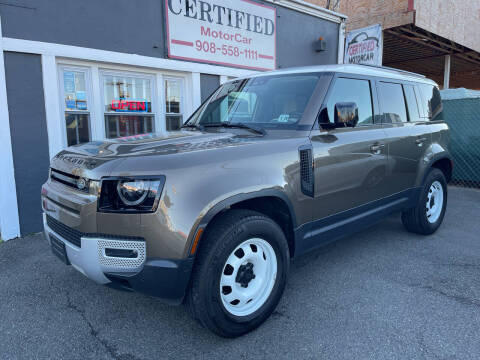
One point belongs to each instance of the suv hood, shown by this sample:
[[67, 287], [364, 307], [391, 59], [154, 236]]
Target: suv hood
[[100, 157]]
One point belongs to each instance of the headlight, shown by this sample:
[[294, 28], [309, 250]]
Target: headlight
[[130, 195], [132, 192]]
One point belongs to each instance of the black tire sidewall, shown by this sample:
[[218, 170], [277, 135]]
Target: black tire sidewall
[[434, 175], [267, 230]]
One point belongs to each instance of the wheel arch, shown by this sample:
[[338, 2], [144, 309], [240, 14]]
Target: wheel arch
[[436, 156], [272, 203], [445, 164]]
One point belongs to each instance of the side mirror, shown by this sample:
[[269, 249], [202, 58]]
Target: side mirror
[[345, 114]]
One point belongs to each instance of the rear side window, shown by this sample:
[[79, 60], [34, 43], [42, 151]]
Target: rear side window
[[352, 90], [432, 103], [412, 104], [392, 102]]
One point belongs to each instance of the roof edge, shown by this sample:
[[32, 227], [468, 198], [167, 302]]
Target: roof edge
[[311, 9], [351, 69]]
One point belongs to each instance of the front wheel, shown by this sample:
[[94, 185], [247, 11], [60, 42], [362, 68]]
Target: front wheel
[[428, 215], [240, 273]]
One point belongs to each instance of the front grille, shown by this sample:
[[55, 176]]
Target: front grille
[[74, 236], [71, 235], [69, 180]]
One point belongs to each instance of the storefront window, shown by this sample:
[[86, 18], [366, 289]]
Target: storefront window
[[77, 112], [127, 105], [174, 104]]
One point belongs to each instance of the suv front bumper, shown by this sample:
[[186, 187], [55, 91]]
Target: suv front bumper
[[163, 278]]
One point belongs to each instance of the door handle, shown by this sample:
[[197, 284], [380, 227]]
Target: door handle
[[420, 141], [376, 148]]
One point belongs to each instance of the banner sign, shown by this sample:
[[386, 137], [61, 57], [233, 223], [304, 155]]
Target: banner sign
[[239, 33], [364, 46]]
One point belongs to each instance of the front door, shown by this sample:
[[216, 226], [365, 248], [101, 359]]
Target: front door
[[349, 163]]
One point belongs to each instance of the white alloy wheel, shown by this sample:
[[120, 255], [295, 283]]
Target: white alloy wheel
[[434, 202], [248, 277]]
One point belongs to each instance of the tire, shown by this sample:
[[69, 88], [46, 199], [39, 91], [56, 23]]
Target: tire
[[221, 273], [418, 220]]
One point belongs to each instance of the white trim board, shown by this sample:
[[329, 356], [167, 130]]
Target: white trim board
[[9, 220], [55, 130], [341, 42], [112, 57]]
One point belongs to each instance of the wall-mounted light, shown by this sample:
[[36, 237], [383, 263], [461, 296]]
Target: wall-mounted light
[[320, 44]]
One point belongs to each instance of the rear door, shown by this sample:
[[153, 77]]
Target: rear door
[[408, 133], [349, 163]]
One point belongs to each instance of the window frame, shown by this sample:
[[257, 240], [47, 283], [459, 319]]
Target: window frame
[[419, 106], [427, 114], [397, 82], [153, 113], [95, 94], [181, 80], [373, 97], [61, 68]]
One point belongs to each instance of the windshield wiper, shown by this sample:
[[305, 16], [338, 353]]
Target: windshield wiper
[[240, 125], [193, 126]]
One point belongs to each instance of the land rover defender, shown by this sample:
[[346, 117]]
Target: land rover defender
[[267, 168]]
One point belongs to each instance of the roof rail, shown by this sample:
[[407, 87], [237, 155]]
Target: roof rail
[[394, 69]]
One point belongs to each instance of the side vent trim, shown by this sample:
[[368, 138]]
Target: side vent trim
[[306, 169]]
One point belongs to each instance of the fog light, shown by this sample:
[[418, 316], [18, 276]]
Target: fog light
[[81, 184]]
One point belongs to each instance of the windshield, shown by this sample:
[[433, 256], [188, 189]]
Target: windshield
[[276, 101]]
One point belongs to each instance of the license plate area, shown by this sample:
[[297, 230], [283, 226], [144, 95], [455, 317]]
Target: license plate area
[[58, 248]]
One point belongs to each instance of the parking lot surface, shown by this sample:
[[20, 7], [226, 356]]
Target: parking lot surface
[[381, 294]]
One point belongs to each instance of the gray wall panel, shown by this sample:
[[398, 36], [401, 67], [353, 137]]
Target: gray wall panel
[[208, 84], [296, 36], [29, 135], [118, 25]]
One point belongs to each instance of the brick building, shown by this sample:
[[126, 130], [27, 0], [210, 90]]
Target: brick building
[[437, 38]]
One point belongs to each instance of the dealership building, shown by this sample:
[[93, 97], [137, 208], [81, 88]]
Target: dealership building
[[79, 71]]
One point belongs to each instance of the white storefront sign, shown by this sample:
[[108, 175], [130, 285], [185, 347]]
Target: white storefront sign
[[238, 33], [364, 46]]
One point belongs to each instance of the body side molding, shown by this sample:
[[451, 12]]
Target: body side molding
[[323, 231]]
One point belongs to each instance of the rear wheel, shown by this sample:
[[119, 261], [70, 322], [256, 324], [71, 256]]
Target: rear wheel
[[239, 274], [428, 215]]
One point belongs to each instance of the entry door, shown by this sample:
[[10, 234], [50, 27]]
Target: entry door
[[408, 134], [349, 163]]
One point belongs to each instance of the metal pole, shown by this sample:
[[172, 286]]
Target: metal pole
[[446, 74]]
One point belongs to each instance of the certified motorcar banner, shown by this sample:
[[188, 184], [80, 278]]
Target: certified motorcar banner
[[238, 33], [364, 46]]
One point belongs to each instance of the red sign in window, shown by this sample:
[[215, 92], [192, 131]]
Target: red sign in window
[[129, 105]]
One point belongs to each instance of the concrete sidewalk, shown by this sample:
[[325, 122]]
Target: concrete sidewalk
[[380, 294]]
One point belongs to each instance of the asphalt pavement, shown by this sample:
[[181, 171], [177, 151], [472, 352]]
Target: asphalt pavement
[[381, 294]]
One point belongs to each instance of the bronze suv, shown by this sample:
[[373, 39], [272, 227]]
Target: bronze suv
[[268, 168]]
